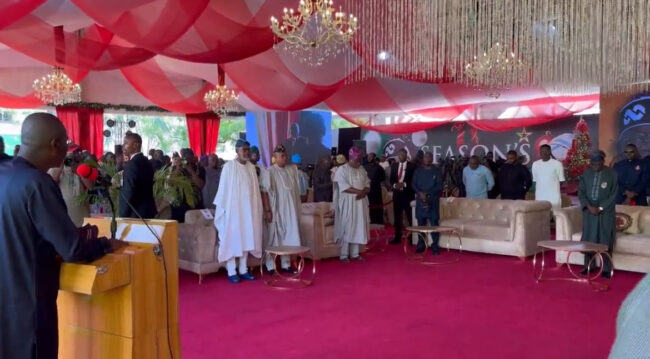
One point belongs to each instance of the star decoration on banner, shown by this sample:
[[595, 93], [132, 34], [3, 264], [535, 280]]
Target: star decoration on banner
[[523, 135]]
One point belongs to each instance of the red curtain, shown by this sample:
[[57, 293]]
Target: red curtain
[[69, 116], [95, 138], [203, 132], [85, 127]]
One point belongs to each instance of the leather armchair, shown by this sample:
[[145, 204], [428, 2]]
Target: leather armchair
[[317, 229], [197, 244]]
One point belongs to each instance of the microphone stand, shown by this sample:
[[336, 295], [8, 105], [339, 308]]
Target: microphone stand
[[113, 214]]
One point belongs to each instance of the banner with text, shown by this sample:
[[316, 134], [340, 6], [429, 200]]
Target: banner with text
[[460, 139]]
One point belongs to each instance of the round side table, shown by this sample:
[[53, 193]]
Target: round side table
[[600, 251], [423, 233], [288, 281]]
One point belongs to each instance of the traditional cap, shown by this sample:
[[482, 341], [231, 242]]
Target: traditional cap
[[296, 158], [254, 149], [596, 156], [242, 143], [340, 159], [354, 154], [280, 149]]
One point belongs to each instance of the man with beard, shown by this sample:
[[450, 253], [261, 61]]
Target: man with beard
[[352, 226], [514, 178], [238, 214], [282, 208]]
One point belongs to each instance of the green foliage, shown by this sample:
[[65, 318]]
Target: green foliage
[[168, 133], [169, 186], [338, 122], [173, 187], [229, 129]]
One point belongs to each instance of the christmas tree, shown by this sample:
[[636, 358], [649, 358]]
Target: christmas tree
[[577, 158]]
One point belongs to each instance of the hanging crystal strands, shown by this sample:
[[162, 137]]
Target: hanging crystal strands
[[565, 46]]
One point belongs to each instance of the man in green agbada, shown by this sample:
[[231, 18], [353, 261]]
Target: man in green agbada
[[597, 194]]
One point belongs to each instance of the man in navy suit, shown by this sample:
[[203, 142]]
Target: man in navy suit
[[401, 178], [137, 181]]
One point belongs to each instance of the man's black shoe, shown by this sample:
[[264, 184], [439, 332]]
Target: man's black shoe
[[395, 241], [421, 248], [606, 275]]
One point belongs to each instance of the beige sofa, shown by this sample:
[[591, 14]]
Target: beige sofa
[[198, 245], [494, 226], [631, 248], [317, 229]]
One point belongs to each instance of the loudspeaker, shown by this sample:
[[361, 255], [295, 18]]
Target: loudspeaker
[[347, 136]]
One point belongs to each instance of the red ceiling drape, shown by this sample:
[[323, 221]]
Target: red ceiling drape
[[203, 132], [85, 127], [140, 37]]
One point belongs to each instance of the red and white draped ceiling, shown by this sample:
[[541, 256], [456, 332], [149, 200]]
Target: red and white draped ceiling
[[165, 52]]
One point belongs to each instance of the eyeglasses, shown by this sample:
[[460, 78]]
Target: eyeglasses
[[628, 151]]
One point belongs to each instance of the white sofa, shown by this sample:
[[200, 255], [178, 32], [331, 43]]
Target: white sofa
[[505, 227], [631, 248]]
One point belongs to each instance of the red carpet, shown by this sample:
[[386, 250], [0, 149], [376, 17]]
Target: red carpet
[[485, 306]]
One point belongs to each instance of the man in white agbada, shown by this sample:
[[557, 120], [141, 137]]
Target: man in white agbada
[[281, 201], [352, 221], [238, 214], [548, 173]]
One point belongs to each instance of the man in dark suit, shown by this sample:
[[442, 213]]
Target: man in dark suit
[[401, 177], [137, 181]]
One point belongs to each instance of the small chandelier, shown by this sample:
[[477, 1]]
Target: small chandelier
[[221, 100], [315, 32], [57, 88], [496, 71]]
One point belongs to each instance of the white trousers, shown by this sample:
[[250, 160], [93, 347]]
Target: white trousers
[[231, 265], [285, 262], [349, 250]]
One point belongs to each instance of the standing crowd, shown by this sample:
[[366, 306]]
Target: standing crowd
[[260, 207]]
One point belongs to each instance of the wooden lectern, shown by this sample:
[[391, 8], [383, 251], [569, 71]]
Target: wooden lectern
[[116, 307]]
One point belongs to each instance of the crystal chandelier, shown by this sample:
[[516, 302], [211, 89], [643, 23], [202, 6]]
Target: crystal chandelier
[[495, 71], [57, 88], [221, 100], [315, 32]]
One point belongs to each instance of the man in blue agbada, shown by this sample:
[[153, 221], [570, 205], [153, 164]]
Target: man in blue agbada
[[427, 183], [34, 231], [597, 194]]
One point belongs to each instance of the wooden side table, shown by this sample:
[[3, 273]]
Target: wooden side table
[[423, 233], [600, 251], [288, 281]]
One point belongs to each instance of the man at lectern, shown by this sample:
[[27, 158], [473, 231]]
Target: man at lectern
[[34, 231]]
